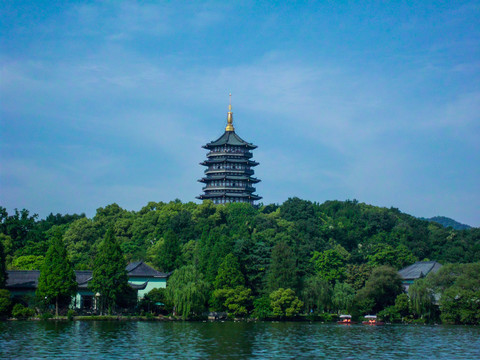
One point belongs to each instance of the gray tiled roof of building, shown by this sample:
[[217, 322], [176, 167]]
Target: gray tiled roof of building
[[419, 269], [25, 279], [140, 269], [28, 279]]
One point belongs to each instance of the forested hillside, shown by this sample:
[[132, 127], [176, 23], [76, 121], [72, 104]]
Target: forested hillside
[[447, 222], [168, 235], [270, 261]]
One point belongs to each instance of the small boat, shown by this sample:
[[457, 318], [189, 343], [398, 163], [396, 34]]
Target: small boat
[[345, 320], [372, 320]]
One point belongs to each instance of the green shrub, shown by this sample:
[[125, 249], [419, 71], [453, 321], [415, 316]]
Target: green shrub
[[390, 314], [149, 315], [46, 315], [326, 317], [70, 314], [262, 309], [5, 302], [21, 312]]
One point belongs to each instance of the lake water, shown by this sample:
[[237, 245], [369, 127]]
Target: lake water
[[189, 340]]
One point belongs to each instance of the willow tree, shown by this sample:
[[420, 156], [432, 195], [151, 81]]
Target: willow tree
[[188, 291], [57, 279], [422, 298], [109, 277]]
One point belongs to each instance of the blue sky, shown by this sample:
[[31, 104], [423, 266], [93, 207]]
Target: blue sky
[[110, 101]]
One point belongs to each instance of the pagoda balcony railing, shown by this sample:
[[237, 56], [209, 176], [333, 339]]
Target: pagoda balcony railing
[[222, 187], [216, 171], [247, 154]]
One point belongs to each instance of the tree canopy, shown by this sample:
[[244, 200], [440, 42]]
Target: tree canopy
[[57, 279], [320, 251], [109, 278]]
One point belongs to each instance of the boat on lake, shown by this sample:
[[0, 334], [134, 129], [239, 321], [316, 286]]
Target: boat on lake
[[372, 320], [345, 320]]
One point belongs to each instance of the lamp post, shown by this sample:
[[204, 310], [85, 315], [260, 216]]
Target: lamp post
[[97, 300]]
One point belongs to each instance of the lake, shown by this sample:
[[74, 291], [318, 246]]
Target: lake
[[217, 340]]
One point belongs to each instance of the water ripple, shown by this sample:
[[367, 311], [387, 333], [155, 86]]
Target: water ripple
[[263, 340]]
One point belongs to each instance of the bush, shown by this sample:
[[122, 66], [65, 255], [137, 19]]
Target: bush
[[70, 314], [5, 302], [284, 303], [46, 316], [262, 309], [21, 312], [327, 317], [390, 314]]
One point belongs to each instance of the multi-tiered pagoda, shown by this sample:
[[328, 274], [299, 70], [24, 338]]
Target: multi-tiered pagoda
[[228, 177]]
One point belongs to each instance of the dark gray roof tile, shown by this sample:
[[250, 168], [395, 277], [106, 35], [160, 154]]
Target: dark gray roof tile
[[419, 269]]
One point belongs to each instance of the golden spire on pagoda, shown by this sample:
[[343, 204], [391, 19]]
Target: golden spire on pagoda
[[230, 116]]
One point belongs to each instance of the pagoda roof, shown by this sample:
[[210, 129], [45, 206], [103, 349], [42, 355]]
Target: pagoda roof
[[228, 194], [221, 159], [230, 138], [231, 177]]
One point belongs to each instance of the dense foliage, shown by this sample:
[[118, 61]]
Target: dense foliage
[[57, 279], [109, 278], [336, 256]]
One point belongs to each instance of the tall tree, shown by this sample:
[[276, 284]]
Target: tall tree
[[188, 291], [170, 252], [109, 275], [57, 279], [329, 264], [382, 287], [229, 275], [317, 294], [3, 267], [283, 271]]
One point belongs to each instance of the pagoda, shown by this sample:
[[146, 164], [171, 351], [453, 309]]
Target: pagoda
[[229, 174]]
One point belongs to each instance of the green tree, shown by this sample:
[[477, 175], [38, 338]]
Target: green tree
[[153, 299], [422, 298], [229, 274], [317, 294], [402, 304], [343, 297], [460, 306], [80, 239], [229, 277], [398, 257], [284, 303], [329, 264], [262, 308], [357, 274], [28, 262], [236, 301], [3, 267], [109, 277], [57, 279], [282, 272], [170, 252], [188, 291], [458, 286], [5, 302], [382, 287]]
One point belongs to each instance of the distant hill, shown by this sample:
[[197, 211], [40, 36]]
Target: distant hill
[[446, 222]]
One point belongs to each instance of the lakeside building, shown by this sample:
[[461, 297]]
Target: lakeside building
[[417, 271], [141, 278], [229, 174]]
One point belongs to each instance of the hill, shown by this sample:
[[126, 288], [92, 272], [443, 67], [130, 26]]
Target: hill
[[447, 222]]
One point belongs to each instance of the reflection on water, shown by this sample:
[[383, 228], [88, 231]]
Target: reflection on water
[[136, 340]]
